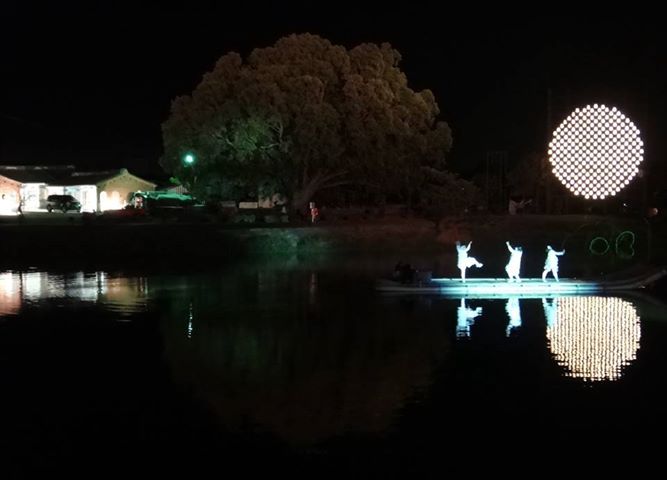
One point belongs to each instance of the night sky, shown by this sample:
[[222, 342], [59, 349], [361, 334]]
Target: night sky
[[91, 86]]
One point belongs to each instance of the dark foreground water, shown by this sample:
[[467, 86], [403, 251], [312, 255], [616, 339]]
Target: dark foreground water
[[306, 370]]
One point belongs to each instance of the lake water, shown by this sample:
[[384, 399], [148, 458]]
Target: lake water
[[309, 366]]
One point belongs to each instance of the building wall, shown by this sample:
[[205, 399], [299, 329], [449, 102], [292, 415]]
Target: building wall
[[113, 193], [11, 190], [33, 196], [273, 201]]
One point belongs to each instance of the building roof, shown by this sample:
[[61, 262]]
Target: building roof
[[36, 173], [89, 178], [95, 178], [10, 180], [63, 175]]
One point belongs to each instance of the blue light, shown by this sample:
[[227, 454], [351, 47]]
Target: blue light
[[527, 288]]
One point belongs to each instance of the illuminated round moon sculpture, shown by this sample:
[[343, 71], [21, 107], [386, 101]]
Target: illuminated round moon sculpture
[[596, 151], [594, 338]]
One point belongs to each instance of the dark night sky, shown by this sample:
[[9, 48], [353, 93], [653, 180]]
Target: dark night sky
[[91, 86]]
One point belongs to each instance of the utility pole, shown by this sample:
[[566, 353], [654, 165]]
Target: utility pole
[[545, 163], [496, 176]]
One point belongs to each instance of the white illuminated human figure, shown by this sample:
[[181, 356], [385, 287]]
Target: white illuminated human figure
[[551, 263], [515, 206], [514, 312], [465, 317], [550, 311], [465, 261], [513, 267]]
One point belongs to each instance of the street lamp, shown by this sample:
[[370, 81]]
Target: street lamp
[[189, 159]]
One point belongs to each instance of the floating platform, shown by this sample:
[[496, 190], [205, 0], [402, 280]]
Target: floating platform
[[530, 287]]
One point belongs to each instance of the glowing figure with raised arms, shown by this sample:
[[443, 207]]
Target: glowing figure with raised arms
[[465, 317], [551, 263], [464, 260], [513, 267]]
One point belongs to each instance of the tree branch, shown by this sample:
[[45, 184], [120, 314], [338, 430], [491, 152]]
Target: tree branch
[[337, 184]]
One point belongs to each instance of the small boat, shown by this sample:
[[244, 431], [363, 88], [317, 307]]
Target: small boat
[[531, 287]]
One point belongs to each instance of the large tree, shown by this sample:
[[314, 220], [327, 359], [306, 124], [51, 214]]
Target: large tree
[[302, 116]]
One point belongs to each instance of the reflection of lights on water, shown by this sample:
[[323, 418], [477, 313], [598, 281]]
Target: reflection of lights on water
[[34, 284], [189, 334], [465, 317], [122, 295], [9, 283], [593, 338], [514, 312], [10, 293]]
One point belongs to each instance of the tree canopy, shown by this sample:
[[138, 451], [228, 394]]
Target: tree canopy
[[301, 116]]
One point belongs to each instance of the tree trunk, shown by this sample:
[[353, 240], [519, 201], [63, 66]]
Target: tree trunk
[[302, 198], [319, 181]]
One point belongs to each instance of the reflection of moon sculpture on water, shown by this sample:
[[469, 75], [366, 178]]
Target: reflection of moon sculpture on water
[[593, 338]]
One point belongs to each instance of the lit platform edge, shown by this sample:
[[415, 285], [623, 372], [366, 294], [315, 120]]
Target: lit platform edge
[[531, 287]]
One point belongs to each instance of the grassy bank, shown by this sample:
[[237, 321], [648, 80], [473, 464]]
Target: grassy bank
[[592, 243]]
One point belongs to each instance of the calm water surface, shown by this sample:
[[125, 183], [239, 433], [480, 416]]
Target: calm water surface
[[309, 366]]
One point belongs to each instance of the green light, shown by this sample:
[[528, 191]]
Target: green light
[[189, 159], [598, 246]]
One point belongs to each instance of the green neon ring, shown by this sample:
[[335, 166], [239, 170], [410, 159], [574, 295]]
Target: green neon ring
[[631, 247], [594, 251]]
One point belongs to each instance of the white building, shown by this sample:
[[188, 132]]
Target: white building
[[96, 191]]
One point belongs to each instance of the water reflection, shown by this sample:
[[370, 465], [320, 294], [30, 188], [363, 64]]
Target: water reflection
[[117, 294], [272, 359], [514, 312], [465, 318], [190, 316], [592, 338], [10, 294], [550, 311], [313, 355]]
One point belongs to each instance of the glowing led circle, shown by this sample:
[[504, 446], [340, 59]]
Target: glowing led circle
[[596, 151]]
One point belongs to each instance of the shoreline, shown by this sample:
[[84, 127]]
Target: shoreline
[[190, 244]]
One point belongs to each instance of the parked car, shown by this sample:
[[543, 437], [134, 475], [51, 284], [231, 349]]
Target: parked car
[[63, 203]]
